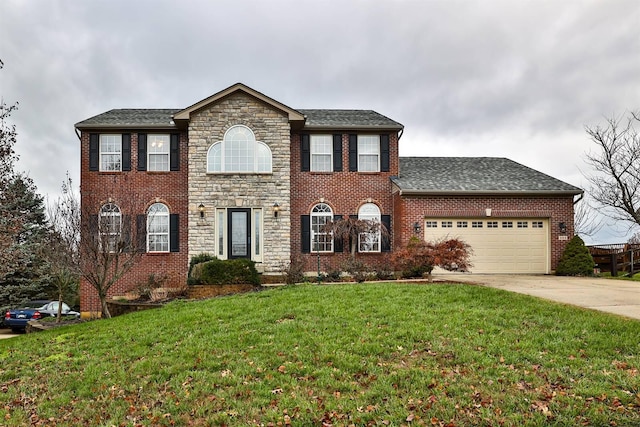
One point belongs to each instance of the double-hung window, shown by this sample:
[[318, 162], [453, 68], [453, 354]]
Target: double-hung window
[[110, 227], [369, 241], [321, 153], [110, 153], [321, 240], [158, 152], [158, 228], [369, 153]]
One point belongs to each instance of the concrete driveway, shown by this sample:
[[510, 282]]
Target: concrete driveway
[[7, 333], [612, 296]]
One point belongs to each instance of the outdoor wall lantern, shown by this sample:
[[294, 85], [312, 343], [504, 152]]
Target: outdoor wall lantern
[[416, 227], [201, 209], [276, 209], [563, 228]]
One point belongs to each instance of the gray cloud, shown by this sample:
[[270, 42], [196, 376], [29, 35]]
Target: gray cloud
[[516, 79]]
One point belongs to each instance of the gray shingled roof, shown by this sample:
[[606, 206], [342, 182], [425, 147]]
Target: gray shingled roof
[[474, 175], [131, 117], [334, 119], [348, 119]]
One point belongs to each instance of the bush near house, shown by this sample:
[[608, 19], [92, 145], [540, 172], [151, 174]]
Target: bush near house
[[419, 258], [576, 259], [225, 272]]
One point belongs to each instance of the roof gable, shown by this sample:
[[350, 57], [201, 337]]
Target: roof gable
[[185, 114], [475, 175]]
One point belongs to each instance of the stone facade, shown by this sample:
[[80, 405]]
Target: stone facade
[[223, 191]]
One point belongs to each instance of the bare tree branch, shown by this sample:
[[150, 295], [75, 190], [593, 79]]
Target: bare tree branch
[[616, 181]]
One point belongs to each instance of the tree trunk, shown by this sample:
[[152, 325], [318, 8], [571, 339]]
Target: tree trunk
[[105, 309]]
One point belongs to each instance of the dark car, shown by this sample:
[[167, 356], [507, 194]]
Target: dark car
[[17, 318]]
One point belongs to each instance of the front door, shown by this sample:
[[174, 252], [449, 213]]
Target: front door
[[239, 232]]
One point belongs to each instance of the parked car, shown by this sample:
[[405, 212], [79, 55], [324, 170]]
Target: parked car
[[17, 318]]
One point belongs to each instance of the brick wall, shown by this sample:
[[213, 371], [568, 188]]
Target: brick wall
[[134, 192], [344, 191], [414, 209]]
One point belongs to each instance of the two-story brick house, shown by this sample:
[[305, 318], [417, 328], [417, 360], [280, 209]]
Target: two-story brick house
[[240, 174]]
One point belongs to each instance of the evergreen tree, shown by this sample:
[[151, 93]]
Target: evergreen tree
[[28, 275], [576, 259]]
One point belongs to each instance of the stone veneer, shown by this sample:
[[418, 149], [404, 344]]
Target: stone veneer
[[229, 190]]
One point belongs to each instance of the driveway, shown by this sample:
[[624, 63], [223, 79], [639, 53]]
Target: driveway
[[7, 333], [612, 296]]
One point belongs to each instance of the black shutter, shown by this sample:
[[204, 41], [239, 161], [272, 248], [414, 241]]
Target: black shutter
[[338, 241], [351, 237], [126, 152], [384, 153], [386, 240], [141, 233], [94, 152], [353, 153], [174, 233], [337, 153], [305, 152], [305, 221], [125, 237], [142, 151], [94, 230], [175, 152]]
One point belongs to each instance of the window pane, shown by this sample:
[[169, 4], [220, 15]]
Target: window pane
[[158, 152], [158, 228], [321, 153], [370, 241], [110, 152], [368, 153], [321, 241]]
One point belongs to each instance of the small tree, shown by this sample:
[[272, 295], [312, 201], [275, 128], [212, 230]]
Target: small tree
[[351, 229], [108, 248], [576, 259], [419, 258], [64, 241]]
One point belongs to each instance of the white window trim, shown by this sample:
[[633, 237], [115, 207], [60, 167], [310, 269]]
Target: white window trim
[[166, 140], [362, 153], [109, 153], [312, 235], [373, 215], [107, 217], [254, 150], [150, 216], [313, 154]]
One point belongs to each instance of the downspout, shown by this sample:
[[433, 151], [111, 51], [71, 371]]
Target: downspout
[[579, 198], [79, 135]]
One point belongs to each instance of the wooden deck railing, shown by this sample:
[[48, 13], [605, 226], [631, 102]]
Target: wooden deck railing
[[617, 258]]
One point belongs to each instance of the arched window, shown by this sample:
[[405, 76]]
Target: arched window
[[370, 241], [110, 227], [321, 241], [158, 228], [239, 152]]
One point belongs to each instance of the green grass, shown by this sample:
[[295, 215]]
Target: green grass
[[621, 276], [369, 354]]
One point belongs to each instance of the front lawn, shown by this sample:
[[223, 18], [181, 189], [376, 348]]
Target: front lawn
[[366, 354]]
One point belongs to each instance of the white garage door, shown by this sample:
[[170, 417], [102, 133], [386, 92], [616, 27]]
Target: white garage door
[[500, 245]]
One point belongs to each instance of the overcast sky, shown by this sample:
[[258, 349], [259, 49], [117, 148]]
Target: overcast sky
[[514, 78]]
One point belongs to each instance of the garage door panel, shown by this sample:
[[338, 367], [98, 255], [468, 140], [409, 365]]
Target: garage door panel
[[521, 248]]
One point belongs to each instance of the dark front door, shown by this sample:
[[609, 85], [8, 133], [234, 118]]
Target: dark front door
[[239, 232]]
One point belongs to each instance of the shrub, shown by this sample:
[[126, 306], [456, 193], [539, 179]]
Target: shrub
[[357, 269], [576, 259], [199, 259], [419, 258], [293, 272], [153, 282], [229, 272]]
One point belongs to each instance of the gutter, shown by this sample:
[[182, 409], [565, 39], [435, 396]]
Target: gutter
[[488, 193]]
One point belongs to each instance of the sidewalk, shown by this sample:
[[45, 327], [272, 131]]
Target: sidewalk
[[620, 297]]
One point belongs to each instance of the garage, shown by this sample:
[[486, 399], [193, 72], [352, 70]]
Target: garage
[[500, 245]]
